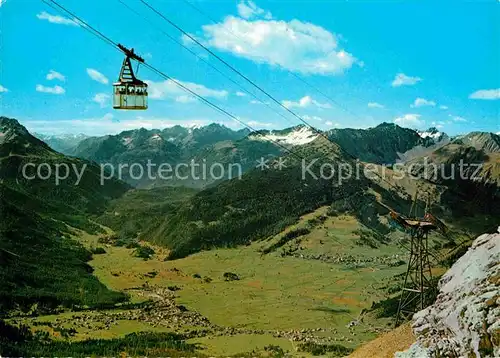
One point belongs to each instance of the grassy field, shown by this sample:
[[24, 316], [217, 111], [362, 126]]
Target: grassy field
[[240, 344], [274, 292], [290, 289]]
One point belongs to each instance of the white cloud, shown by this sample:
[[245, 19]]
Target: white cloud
[[305, 102], [490, 94], [2, 2], [102, 99], [375, 105], [169, 90], [108, 117], [241, 94], [97, 76], [185, 99], [443, 107], [52, 90], [3, 89], [457, 118], [294, 45], [254, 101], [409, 120], [54, 75], [332, 124], [248, 9], [422, 102], [310, 118], [56, 19], [259, 124], [438, 125], [403, 80]]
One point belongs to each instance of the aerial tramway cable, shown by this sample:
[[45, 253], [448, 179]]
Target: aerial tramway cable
[[308, 84], [227, 64], [200, 58], [117, 46]]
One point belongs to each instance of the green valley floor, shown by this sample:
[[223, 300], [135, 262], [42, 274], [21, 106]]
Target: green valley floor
[[304, 293]]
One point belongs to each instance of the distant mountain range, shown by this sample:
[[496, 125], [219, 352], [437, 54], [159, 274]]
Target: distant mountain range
[[63, 143], [386, 144], [234, 212], [212, 143]]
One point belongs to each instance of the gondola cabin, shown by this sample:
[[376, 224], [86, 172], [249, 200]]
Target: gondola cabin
[[129, 92]]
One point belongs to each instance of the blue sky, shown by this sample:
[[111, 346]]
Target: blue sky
[[415, 63]]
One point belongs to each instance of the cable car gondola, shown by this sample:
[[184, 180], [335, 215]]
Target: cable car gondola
[[129, 92]]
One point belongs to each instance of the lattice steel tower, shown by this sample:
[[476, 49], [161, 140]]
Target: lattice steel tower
[[417, 288]]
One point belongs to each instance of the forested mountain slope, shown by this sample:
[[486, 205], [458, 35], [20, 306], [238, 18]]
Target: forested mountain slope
[[41, 265]]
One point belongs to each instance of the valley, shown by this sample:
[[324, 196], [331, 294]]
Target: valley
[[269, 264], [246, 179], [318, 287], [277, 299]]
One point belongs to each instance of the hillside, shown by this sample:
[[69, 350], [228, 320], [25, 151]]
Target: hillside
[[485, 141], [261, 203], [383, 144], [470, 172], [42, 268], [256, 206], [41, 265]]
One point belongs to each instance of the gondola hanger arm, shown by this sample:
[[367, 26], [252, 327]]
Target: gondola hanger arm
[[130, 53]]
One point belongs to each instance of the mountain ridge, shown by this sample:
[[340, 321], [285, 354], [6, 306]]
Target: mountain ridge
[[41, 264], [382, 144]]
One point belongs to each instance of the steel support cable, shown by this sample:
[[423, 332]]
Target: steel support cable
[[179, 43]]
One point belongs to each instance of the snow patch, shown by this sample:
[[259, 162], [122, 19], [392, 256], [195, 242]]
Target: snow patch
[[126, 141], [298, 136], [433, 135], [194, 126]]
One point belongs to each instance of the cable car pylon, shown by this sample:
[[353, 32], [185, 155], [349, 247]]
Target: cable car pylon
[[129, 92], [418, 286]]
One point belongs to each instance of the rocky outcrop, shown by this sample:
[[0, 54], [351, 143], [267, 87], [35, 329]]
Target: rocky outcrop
[[465, 319]]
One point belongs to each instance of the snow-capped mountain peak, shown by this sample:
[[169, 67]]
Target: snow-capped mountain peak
[[431, 133], [294, 136]]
